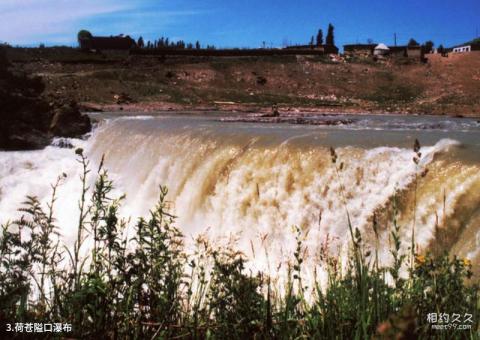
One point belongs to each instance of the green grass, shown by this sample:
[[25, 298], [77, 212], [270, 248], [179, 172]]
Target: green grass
[[147, 286], [394, 93]]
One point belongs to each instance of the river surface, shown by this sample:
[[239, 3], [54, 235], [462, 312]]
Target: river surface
[[251, 182]]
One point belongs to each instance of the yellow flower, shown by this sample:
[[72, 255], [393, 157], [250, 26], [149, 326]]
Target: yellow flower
[[467, 262], [420, 259]]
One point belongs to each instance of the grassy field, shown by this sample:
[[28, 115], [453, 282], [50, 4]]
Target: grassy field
[[147, 286]]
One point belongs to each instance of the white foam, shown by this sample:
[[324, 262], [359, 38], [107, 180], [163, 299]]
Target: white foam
[[253, 192]]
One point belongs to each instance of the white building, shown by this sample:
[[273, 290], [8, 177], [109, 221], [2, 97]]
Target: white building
[[381, 49], [470, 46], [462, 49]]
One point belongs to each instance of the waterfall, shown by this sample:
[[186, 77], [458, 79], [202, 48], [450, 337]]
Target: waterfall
[[254, 187]]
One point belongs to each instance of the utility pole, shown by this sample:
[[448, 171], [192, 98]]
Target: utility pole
[[395, 38]]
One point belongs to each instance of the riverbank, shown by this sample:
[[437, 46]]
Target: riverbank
[[442, 86], [29, 119]]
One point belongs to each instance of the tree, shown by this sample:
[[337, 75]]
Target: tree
[[161, 42], [441, 49], [413, 42], [312, 40], [180, 44], [83, 36], [140, 43], [330, 39], [428, 46], [320, 38], [197, 45]]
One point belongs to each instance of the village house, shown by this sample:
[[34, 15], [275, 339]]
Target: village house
[[398, 51], [468, 47], [359, 50], [368, 50], [415, 51], [382, 50]]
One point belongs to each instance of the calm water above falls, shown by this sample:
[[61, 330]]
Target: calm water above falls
[[252, 181]]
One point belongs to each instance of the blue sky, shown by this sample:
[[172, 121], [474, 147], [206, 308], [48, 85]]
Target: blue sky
[[240, 23]]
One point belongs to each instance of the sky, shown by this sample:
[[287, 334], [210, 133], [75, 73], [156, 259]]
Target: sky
[[240, 23]]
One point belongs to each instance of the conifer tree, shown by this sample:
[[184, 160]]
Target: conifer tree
[[320, 38], [330, 39]]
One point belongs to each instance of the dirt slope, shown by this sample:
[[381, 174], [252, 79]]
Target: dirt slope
[[440, 86]]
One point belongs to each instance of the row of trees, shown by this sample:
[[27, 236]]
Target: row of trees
[[167, 43], [163, 42], [427, 46], [317, 41]]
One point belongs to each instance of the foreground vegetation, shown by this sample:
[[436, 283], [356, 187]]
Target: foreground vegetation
[[144, 285]]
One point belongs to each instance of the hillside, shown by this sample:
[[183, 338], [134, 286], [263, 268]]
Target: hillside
[[445, 86]]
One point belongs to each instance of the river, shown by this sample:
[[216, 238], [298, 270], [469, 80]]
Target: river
[[251, 182]]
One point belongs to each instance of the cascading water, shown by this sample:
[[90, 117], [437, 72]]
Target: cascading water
[[252, 183]]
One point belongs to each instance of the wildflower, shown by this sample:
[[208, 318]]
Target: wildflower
[[384, 328], [420, 259], [467, 262]]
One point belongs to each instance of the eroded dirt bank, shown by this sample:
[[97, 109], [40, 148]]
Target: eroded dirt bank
[[443, 86]]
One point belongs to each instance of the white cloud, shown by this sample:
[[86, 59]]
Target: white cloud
[[27, 21]]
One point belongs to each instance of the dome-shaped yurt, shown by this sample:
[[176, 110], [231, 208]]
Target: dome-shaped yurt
[[381, 49]]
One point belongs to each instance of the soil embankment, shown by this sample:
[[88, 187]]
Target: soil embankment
[[443, 85], [29, 118]]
